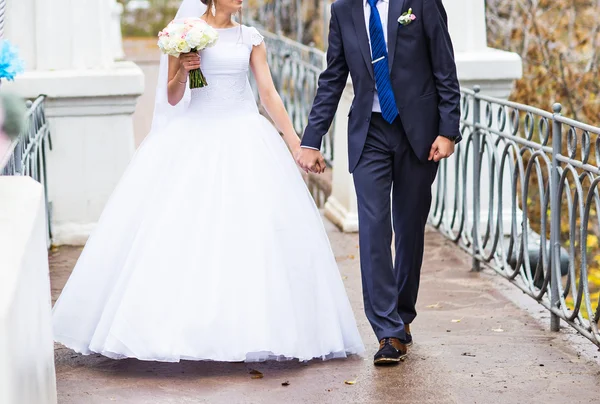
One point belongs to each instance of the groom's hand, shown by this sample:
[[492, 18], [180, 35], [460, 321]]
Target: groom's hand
[[442, 148], [311, 160]]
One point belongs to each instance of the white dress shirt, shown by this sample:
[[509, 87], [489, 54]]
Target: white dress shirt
[[382, 7]]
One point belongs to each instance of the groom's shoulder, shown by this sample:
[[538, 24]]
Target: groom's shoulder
[[341, 5]]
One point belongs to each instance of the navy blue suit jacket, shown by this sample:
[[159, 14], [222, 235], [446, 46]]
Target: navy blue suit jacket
[[422, 72]]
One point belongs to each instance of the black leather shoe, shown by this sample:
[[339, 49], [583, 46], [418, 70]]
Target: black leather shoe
[[409, 340], [391, 352]]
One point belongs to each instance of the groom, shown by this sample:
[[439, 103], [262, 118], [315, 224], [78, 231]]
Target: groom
[[404, 119]]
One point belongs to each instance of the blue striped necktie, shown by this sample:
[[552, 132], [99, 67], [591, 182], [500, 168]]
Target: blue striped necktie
[[379, 53]]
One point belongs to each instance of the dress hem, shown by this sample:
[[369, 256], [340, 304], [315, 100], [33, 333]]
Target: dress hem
[[265, 355]]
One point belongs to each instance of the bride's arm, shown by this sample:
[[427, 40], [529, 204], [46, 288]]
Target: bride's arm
[[270, 99], [179, 69]]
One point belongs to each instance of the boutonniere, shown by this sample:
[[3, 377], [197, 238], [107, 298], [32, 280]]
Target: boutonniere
[[407, 17]]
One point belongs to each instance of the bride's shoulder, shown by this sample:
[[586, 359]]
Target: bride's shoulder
[[252, 35]]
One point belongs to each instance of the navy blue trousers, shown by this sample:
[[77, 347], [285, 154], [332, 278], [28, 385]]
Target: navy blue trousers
[[389, 167]]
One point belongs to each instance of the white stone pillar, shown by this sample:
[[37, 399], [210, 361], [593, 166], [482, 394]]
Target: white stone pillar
[[115, 30], [69, 50], [493, 70], [341, 207], [27, 373]]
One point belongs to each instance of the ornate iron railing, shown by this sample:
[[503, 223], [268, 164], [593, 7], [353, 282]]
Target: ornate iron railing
[[295, 69], [27, 153], [295, 19], [521, 195]]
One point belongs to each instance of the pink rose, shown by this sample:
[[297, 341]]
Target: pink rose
[[413, 17]]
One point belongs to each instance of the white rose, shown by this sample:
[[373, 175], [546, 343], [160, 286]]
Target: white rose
[[162, 43], [182, 46], [176, 29], [195, 38], [171, 44], [212, 37], [198, 29]]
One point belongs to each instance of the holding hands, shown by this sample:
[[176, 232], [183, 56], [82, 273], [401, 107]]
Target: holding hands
[[310, 160]]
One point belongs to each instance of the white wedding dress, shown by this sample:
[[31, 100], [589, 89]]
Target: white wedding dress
[[211, 247]]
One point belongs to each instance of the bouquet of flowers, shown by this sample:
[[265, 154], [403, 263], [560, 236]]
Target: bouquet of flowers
[[10, 63], [188, 35]]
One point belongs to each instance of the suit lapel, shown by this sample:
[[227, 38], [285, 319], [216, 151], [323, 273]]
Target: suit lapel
[[358, 16], [394, 11]]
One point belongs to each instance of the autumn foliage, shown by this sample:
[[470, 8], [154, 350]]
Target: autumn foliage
[[558, 41]]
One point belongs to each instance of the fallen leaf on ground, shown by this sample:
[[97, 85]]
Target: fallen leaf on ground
[[351, 257], [458, 320], [256, 374], [497, 329], [468, 354], [350, 382], [434, 306], [286, 383]]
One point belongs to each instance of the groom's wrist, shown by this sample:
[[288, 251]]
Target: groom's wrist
[[309, 147], [455, 138]]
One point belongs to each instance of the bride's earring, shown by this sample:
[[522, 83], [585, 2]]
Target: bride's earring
[[213, 9]]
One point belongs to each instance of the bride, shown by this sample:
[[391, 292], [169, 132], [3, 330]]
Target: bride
[[211, 247]]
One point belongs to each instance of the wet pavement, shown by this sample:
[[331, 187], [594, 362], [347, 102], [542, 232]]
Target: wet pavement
[[473, 344]]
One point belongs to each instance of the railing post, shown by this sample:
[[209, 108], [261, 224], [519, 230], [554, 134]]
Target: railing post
[[555, 218], [476, 176], [325, 34], [2, 14], [277, 13]]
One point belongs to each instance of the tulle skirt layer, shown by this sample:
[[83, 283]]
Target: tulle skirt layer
[[210, 248]]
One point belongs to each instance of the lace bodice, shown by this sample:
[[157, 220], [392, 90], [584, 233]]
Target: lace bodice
[[226, 68]]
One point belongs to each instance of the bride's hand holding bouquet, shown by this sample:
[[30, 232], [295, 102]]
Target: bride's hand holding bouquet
[[183, 39]]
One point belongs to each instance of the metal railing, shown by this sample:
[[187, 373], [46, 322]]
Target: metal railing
[[27, 153], [291, 18], [295, 69], [521, 195], [2, 17]]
